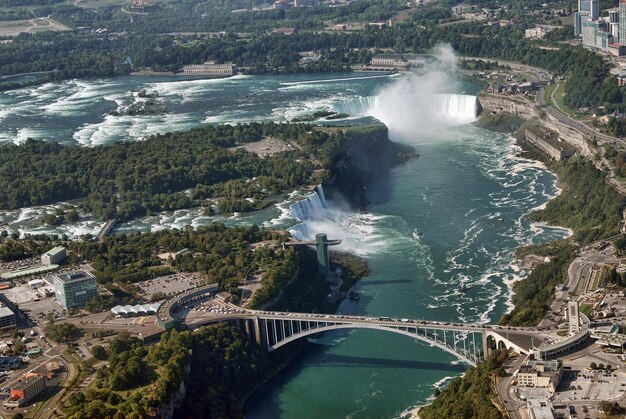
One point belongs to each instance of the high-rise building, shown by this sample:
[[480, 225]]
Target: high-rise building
[[7, 318], [595, 35], [579, 18], [75, 289], [590, 6], [622, 18], [25, 391]]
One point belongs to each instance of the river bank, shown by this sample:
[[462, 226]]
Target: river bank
[[574, 185]]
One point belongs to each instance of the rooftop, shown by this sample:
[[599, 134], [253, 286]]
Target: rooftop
[[5, 311], [28, 272], [55, 250], [72, 276], [28, 382]]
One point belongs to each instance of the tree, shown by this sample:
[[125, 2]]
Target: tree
[[593, 366], [99, 352], [612, 409]]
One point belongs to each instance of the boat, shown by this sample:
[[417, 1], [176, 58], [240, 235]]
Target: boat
[[462, 287], [417, 233], [354, 295]]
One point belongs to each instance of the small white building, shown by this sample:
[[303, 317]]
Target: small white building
[[37, 283]]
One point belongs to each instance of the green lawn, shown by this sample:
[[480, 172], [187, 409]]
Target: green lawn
[[585, 309], [558, 102]]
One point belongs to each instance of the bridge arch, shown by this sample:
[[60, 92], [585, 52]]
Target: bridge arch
[[308, 332], [494, 340]]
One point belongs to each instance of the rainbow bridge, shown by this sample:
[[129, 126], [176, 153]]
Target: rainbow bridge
[[469, 342]]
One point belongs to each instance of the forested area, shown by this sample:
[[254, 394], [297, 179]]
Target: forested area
[[588, 204], [533, 295], [164, 172], [469, 396], [227, 366], [73, 54], [220, 254]]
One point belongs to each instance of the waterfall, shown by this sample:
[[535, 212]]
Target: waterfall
[[458, 107], [312, 207], [355, 106], [455, 107]]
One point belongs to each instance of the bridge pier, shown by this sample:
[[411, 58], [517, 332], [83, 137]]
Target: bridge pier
[[257, 331], [486, 348]]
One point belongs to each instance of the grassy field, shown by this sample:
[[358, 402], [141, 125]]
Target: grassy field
[[16, 27], [557, 100], [586, 309]]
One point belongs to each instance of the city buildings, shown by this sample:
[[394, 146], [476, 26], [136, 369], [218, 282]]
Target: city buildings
[[622, 18], [591, 7], [25, 391], [604, 34], [54, 256], [398, 61], [75, 288], [595, 34], [541, 374]]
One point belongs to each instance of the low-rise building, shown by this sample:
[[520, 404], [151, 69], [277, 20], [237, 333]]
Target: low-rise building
[[75, 288], [7, 318], [537, 32], [541, 374], [398, 61], [25, 391], [54, 256], [210, 68]]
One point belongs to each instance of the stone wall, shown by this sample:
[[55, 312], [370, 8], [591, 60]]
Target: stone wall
[[492, 103], [522, 108]]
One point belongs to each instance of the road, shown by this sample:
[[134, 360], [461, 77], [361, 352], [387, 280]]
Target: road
[[43, 409], [50, 355], [511, 404], [580, 268]]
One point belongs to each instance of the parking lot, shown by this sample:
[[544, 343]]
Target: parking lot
[[132, 321], [202, 307], [38, 311], [591, 385], [21, 294], [168, 285], [19, 264]]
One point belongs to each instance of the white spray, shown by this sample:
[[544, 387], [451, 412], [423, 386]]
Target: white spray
[[416, 105]]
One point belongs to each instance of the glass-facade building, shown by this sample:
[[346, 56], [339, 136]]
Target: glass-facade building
[[622, 20], [591, 7], [75, 289]]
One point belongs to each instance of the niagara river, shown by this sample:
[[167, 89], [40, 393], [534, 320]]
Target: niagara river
[[454, 215]]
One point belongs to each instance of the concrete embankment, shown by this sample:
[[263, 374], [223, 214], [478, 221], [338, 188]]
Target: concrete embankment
[[526, 110]]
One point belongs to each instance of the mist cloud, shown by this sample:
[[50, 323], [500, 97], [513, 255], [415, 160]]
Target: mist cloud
[[418, 104]]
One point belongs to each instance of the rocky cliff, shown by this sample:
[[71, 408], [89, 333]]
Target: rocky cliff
[[364, 159]]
